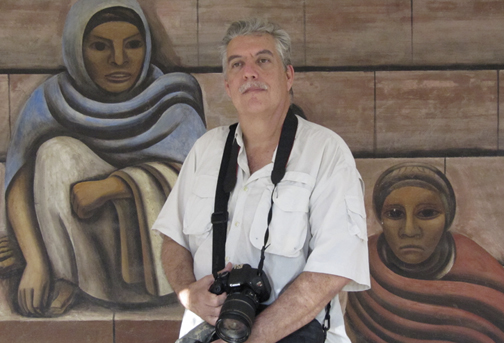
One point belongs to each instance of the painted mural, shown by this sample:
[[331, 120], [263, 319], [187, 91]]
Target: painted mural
[[93, 156], [428, 284]]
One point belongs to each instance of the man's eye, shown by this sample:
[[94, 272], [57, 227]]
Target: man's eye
[[99, 46], [428, 213], [263, 60], [236, 65], [134, 44], [394, 214]]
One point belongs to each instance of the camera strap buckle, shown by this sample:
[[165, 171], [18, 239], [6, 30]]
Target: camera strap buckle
[[220, 218]]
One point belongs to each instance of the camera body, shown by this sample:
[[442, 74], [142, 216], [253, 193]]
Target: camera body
[[246, 288], [242, 278]]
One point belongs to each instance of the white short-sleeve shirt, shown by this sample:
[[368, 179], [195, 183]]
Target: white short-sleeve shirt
[[318, 223]]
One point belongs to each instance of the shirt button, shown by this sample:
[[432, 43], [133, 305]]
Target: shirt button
[[245, 188], [236, 224], [227, 259]]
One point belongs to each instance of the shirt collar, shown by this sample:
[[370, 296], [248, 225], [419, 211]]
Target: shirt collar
[[242, 157]]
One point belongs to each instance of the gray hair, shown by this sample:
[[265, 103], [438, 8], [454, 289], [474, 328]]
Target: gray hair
[[259, 26]]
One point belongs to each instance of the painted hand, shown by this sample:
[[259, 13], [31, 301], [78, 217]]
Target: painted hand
[[33, 291], [87, 196]]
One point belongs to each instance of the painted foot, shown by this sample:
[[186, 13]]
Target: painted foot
[[10, 262], [64, 296]]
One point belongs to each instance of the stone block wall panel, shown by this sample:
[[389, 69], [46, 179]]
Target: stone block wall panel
[[21, 86], [458, 32], [219, 109], [501, 112], [479, 188], [343, 102], [54, 331], [30, 33], [436, 111], [324, 32], [216, 15], [157, 325], [358, 32], [4, 116], [174, 28]]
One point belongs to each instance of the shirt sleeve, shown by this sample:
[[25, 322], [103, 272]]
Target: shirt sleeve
[[338, 244], [170, 220]]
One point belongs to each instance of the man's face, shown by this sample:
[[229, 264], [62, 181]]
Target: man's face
[[256, 79]]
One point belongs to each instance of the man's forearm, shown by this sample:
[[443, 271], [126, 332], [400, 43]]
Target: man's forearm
[[192, 294], [296, 307], [178, 265]]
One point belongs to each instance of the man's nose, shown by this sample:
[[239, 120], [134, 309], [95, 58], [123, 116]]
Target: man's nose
[[250, 71]]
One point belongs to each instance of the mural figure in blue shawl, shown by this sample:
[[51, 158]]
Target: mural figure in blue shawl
[[92, 159]]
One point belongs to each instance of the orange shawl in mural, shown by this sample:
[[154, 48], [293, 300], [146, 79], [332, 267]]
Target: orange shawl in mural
[[465, 305]]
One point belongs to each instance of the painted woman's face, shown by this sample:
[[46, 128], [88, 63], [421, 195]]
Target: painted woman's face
[[113, 55], [413, 223]]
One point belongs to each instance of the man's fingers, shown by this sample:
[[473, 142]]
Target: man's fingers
[[212, 320], [227, 268]]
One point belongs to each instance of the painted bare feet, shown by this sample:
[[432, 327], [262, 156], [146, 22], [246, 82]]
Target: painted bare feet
[[10, 262], [64, 296]]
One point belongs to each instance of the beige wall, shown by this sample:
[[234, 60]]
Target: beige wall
[[324, 32]]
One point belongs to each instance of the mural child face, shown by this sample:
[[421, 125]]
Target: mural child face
[[413, 221], [113, 55]]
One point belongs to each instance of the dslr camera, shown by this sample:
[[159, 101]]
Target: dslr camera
[[246, 288]]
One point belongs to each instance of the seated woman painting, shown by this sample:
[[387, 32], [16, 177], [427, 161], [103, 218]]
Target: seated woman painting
[[427, 284], [93, 157]]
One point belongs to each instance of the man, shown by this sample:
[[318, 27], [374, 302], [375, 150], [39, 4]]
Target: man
[[317, 235]]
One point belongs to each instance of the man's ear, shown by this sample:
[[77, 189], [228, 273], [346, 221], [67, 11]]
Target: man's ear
[[289, 72], [226, 86]]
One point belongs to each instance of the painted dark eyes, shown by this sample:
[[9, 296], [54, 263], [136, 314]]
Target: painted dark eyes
[[428, 213], [102, 46], [424, 214], [98, 46], [134, 44], [394, 214]]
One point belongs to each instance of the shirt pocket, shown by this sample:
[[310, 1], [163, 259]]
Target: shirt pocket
[[356, 213], [288, 229], [197, 217]]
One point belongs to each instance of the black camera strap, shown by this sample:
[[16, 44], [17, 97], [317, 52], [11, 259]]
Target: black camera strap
[[227, 180], [220, 216]]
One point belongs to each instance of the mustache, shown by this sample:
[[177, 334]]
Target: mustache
[[252, 84]]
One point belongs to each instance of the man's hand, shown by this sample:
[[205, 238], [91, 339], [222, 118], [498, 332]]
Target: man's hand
[[88, 196], [198, 299]]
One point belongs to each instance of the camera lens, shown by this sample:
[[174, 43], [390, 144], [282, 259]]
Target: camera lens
[[233, 330], [236, 318]]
